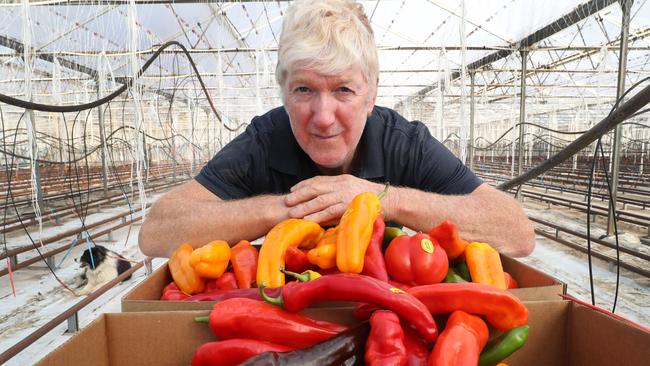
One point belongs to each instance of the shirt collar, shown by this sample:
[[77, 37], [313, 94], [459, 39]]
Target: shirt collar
[[287, 157]]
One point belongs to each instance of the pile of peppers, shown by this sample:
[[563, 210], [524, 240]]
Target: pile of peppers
[[401, 283]]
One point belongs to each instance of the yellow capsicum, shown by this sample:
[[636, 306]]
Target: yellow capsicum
[[182, 272], [290, 232], [355, 230], [324, 255], [211, 260], [484, 264]]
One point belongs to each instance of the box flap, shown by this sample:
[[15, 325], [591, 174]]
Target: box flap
[[155, 338], [547, 337], [598, 339], [90, 345]]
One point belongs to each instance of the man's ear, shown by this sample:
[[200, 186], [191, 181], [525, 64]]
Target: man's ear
[[373, 98]]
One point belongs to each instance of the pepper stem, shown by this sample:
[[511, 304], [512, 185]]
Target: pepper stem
[[201, 319], [272, 300], [302, 277], [383, 193]]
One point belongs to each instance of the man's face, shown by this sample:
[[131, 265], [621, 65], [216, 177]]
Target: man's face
[[328, 114]]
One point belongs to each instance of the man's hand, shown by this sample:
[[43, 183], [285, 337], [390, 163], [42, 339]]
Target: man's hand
[[323, 199]]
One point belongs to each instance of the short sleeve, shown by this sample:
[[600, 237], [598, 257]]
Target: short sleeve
[[230, 173], [438, 170]]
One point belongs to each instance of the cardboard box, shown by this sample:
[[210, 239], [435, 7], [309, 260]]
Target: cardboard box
[[561, 333], [535, 285]]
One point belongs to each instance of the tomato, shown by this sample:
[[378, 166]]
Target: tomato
[[416, 260], [510, 281]]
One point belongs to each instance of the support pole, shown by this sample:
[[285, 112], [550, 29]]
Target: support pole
[[102, 138], [522, 118], [37, 171], [626, 5], [470, 144]]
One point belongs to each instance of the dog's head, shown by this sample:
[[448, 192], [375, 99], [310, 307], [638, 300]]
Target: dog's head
[[93, 256]]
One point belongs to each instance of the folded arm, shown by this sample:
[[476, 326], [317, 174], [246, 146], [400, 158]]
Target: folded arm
[[486, 214], [192, 214]]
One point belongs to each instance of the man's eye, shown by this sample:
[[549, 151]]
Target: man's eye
[[301, 89], [345, 89]]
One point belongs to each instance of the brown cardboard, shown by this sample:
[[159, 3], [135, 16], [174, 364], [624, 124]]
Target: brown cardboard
[[561, 333], [535, 285]]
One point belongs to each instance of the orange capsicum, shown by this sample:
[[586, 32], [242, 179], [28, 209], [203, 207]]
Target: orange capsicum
[[355, 230], [484, 265], [211, 260], [446, 234], [244, 263], [324, 255], [182, 272], [290, 232]]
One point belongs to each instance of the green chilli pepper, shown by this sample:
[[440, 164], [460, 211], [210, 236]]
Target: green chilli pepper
[[390, 233], [462, 270], [503, 346], [453, 277]]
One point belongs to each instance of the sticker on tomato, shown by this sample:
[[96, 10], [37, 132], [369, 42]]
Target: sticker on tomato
[[396, 290], [426, 245]]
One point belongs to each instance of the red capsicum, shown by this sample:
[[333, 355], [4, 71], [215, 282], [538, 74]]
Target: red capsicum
[[296, 296], [501, 309], [373, 261], [385, 345], [253, 319], [171, 292], [295, 260], [417, 350], [226, 281], [446, 234], [461, 342], [416, 260], [232, 352]]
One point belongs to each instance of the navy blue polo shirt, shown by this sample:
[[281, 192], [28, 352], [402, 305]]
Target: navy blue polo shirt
[[266, 158]]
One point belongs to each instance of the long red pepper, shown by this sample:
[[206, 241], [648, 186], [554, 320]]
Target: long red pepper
[[296, 296], [373, 261], [385, 345], [253, 319], [461, 341], [232, 352], [220, 295], [417, 350], [501, 309]]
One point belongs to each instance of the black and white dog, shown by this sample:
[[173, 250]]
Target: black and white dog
[[100, 266]]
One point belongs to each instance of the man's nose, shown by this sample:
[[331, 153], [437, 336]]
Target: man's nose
[[323, 109]]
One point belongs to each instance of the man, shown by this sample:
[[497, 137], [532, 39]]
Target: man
[[328, 143]]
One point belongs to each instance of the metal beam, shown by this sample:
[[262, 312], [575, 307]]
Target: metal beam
[[579, 13], [522, 119], [626, 6], [623, 112]]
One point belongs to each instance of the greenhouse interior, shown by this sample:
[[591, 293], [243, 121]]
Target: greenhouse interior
[[108, 106]]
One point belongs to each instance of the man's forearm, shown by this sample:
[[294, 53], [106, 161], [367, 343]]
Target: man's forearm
[[176, 220], [486, 215]]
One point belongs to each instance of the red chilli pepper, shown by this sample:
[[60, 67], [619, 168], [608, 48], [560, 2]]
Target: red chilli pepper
[[501, 309], [232, 352], [253, 319], [171, 292], [385, 345], [461, 342], [373, 262], [296, 296]]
